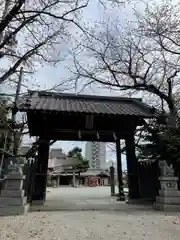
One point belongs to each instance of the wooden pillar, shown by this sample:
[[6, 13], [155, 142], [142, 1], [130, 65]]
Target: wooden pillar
[[74, 179], [132, 168], [39, 192], [112, 182], [121, 196]]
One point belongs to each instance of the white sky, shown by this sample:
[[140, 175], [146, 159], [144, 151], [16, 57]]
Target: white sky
[[49, 76]]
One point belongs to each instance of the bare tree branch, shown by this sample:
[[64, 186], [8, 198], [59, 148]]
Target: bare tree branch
[[43, 26], [133, 59]]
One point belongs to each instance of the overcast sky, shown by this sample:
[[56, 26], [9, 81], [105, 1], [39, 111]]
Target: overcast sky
[[47, 77]]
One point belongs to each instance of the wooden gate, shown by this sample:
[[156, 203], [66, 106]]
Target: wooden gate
[[30, 173], [148, 180]]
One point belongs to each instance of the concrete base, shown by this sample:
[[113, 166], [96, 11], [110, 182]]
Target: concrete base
[[121, 198], [13, 210], [169, 193], [4, 201], [83, 206], [144, 201], [166, 207], [37, 202], [12, 193], [168, 200], [113, 195]]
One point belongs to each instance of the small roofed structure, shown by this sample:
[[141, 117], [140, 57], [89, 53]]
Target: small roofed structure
[[82, 117], [62, 116]]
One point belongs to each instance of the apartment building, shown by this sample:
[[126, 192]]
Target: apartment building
[[96, 155]]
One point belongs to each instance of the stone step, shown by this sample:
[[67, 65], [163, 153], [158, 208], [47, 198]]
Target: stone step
[[13, 184], [168, 178], [12, 201], [13, 210], [145, 201], [169, 193], [14, 176], [168, 200], [12, 193], [166, 207]]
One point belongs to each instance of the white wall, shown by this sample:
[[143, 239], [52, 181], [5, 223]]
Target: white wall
[[58, 158]]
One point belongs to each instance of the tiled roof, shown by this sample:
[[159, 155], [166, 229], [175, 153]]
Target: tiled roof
[[60, 102]]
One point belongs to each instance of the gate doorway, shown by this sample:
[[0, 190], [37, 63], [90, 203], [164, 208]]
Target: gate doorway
[[71, 117]]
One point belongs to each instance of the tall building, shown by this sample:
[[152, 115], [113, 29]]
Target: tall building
[[96, 155]]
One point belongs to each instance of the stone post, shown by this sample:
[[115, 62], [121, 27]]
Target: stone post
[[58, 181], [112, 182], [74, 179], [169, 196], [12, 200], [40, 181]]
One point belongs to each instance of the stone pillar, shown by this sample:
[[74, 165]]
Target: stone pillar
[[74, 179], [12, 200], [132, 168], [39, 193], [121, 196], [112, 182], [58, 183], [169, 195]]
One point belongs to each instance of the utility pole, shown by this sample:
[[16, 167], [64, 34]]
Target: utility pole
[[14, 111]]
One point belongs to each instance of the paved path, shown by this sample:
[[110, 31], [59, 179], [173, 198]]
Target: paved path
[[128, 223], [82, 198], [80, 192]]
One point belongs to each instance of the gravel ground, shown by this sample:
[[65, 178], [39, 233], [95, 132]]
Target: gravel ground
[[135, 225]]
